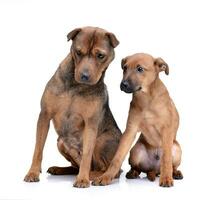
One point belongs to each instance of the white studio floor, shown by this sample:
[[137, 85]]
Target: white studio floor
[[60, 187]]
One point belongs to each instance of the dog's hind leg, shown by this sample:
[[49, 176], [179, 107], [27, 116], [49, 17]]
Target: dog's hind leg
[[151, 175], [133, 174], [104, 151], [63, 170], [176, 160], [72, 155]]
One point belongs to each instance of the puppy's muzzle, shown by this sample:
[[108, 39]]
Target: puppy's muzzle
[[126, 87]]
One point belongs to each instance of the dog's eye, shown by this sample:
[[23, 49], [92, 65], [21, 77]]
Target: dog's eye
[[100, 56], [124, 68], [140, 69], [78, 52]]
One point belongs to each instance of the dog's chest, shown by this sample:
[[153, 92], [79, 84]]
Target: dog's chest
[[70, 108], [149, 127]]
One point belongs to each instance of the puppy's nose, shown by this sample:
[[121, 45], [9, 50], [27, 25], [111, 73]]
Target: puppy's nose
[[85, 76], [124, 84]]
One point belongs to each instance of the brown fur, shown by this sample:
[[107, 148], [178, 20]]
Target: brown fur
[[88, 135], [153, 113]]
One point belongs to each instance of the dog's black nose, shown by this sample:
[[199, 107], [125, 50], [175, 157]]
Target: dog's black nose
[[85, 76], [125, 86]]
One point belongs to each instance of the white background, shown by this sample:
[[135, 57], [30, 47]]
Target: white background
[[32, 44]]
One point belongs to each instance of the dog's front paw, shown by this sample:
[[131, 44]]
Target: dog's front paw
[[166, 181], [32, 177], [82, 183], [102, 180]]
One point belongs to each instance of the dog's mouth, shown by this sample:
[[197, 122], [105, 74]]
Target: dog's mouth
[[89, 83], [137, 89], [128, 89], [86, 81], [134, 90]]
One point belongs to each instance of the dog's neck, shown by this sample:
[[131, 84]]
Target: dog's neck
[[67, 69], [154, 91]]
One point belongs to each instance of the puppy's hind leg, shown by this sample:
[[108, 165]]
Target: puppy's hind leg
[[176, 159], [133, 174], [177, 174], [138, 160], [151, 175]]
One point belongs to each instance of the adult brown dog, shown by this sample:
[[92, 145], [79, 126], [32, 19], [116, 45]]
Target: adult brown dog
[[76, 100], [153, 113]]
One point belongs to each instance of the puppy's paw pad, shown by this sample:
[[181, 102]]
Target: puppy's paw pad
[[166, 181], [32, 177], [102, 180], [82, 183], [178, 175]]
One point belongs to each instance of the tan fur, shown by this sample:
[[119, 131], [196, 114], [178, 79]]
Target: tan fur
[[79, 109], [153, 113]]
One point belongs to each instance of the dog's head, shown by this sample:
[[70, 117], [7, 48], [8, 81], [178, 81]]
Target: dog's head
[[92, 51], [140, 71]]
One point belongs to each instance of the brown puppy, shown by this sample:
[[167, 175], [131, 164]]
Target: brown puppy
[[76, 100], [153, 113]]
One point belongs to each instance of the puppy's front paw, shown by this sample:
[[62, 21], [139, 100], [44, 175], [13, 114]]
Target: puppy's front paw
[[166, 181], [32, 177], [82, 183], [102, 180]]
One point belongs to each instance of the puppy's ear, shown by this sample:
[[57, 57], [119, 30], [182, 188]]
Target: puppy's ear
[[162, 65], [113, 40], [71, 35], [123, 62]]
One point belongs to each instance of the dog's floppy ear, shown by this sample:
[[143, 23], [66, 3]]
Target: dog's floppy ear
[[123, 62], [162, 65], [71, 35], [113, 40]]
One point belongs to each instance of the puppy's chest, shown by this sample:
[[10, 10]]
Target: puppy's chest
[[148, 119], [150, 128]]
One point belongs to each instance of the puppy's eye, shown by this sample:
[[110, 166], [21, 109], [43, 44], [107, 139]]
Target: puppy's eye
[[78, 52], [125, 68], [100, 56], [140, 69]]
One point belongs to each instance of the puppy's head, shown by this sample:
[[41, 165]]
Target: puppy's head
[[140, 71], [92, 51]]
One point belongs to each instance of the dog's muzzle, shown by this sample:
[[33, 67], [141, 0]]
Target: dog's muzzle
[[129, 88], [125, 86], [85, 77]]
